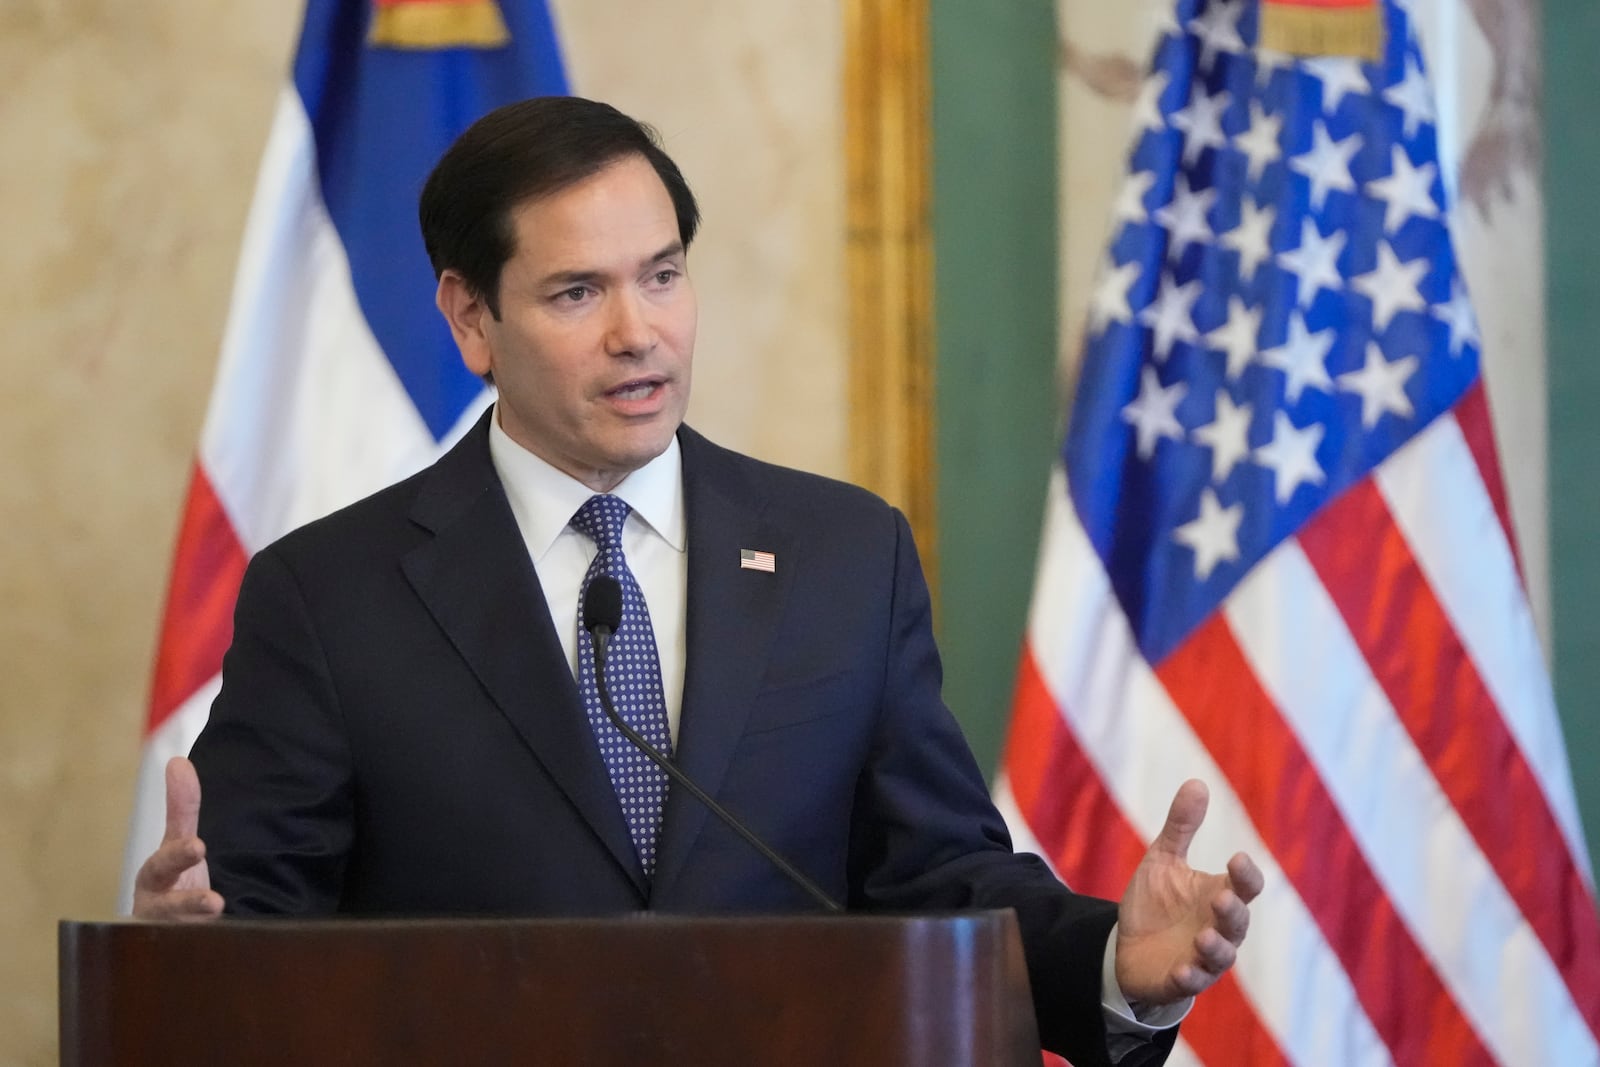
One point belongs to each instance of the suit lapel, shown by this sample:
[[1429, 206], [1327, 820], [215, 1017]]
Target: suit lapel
[[477, 581], [732, 618]]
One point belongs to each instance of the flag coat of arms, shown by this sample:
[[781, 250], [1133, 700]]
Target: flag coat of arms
[[1277, 556], [337, 376]]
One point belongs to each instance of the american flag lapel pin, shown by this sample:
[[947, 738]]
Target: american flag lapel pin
[[751, 560]]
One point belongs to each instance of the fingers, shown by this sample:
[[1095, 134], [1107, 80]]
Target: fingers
[[1245, 877], [189, 904], [1214, 954], [173, 883], [1189, 981], [160, 873], [183, 799], [1231, 917], [161, 890], [1188, 810]]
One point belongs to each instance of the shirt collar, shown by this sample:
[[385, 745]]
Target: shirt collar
[[544, 499]]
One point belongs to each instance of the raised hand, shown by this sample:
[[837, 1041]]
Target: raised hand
[[1178, 929], [174, 882]]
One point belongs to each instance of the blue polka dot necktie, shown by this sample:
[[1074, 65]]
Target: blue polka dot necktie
[[633, 678]]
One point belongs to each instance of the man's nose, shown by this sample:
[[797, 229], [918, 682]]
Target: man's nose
[[630, 330]]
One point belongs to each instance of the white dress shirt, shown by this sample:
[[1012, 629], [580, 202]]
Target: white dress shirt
[[655, 541], [544, 499]]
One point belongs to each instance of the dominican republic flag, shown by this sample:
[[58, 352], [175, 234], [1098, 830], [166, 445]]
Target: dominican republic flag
[[337, 375], [1277, 557]]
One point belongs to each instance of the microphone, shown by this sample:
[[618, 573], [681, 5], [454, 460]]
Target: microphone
[[602, 612], [602, 615]]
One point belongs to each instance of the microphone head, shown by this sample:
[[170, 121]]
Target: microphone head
[[602, 604]]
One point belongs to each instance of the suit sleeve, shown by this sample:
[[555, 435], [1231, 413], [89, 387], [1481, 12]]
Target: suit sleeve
[[925, 834], [275, 773]]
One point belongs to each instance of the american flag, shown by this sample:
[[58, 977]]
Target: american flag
[[1277, 557], [337, 376], [752, 560]]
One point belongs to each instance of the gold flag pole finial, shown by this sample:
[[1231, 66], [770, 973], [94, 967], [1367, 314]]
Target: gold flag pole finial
[[1323, 27], [419, 25]]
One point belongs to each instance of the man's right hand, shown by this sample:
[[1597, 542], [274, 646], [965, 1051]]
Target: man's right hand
[[174, 882]]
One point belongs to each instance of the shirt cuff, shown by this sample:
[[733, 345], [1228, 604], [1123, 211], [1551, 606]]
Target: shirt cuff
[[1132, 1025]]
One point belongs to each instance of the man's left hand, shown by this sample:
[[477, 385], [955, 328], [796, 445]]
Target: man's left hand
[[1179, 929]]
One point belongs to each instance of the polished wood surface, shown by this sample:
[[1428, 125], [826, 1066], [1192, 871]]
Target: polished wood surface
[[638, 990]]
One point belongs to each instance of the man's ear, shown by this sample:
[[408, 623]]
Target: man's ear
[[468, 316]]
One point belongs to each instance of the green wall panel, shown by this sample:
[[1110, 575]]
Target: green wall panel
[[994, 216], [1572, 243]]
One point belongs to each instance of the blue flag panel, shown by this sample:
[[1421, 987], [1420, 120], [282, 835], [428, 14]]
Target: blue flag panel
[[381, 117]]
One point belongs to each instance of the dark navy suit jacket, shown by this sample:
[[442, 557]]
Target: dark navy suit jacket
[[398, 730]]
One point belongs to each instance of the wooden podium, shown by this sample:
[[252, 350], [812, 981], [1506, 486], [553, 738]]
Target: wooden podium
[[647, 989]]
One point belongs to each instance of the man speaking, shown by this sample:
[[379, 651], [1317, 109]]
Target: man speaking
[[410, 718]]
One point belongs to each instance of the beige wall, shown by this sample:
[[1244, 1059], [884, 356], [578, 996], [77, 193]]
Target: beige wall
[[747, 97], [129, 135]]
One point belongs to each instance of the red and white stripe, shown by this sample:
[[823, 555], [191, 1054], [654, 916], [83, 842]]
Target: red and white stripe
[[1372, 713], [306, 415]]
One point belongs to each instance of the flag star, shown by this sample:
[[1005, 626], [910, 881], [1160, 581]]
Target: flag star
[[1153, 414], [1260, 142], [1226, 435], [1110, 301], [1171, 316], [1147, 109], [1164, 19], [1291, 455], [1458, 316], [1252, 238], [1185, 216], [1218, 31], [1382, 385], [1268, 63], [1214, 535], [1302, 358], [1339, 75], [1407, 191], [1327, 164], [1315, 264], [1237, 336], [1392, 286], [1201, 122], [1130, 198], [1412, 97]]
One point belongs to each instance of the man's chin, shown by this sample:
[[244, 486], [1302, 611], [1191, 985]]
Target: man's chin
[[629, 455], [632, 459]]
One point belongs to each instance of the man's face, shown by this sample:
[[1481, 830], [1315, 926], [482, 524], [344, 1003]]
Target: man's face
[[593, 347]]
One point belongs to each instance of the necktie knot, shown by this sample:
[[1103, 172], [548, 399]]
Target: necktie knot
[[601, 519]]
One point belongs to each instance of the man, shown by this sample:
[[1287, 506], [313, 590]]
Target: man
[[408, 721]]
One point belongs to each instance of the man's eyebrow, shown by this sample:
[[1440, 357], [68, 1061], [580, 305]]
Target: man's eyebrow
[[584, 277], [570, 277], [669, 252]]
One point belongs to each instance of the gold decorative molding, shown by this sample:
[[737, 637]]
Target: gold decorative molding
[[889, 251]]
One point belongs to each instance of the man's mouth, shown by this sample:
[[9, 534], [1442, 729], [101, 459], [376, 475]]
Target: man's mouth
[[635, 390]]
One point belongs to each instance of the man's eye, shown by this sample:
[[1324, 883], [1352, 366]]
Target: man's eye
[[664, 277], [575, 294]]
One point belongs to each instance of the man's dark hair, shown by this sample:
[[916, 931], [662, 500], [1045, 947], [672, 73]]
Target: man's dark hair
[[521, 152]]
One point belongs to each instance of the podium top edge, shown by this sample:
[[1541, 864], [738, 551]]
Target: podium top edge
[[660, 919]]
